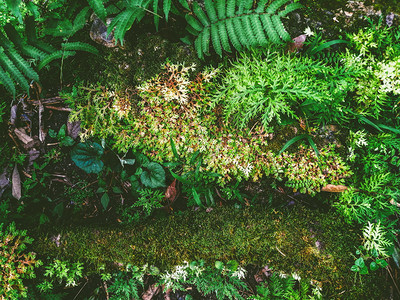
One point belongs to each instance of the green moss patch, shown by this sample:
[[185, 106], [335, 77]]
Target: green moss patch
[[313, 244]]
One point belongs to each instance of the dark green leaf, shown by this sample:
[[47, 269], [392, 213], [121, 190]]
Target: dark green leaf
[[87, 157], [153, 176], [373, 266], [105, 199]]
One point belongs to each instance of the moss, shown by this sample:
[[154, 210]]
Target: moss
[[311, 243]]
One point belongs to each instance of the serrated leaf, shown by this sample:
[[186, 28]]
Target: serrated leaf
[[219, 265], [153, 176], [87, 157]]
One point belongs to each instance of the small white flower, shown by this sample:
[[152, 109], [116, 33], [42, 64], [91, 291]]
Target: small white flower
[[308, 31]]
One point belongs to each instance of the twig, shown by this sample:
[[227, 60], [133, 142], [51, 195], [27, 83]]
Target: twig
[[81, 288], [58, 108], [280, 251], [394, 282]]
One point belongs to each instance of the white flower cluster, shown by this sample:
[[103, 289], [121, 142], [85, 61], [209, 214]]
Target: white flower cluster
[[389, 74], [239, 273], [181, 272]]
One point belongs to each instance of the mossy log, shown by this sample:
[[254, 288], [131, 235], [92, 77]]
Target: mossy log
[[312, 243]]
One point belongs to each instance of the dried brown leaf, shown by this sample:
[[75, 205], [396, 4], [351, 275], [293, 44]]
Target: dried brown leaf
[[73, 129], [16, 184], [42, 134], [22, 136], [334, 188], [13, 116]]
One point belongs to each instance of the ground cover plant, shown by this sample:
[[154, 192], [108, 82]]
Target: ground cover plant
[[265, 168]]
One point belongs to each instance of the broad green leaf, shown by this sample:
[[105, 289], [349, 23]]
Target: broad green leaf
[[219, 265], [87, 157], [373, 266], [105, 199], [67, 141], [153, 176]]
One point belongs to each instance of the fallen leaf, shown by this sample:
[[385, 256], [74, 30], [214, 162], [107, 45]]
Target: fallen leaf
[[22, 136], [297, 44], [4, 181], [73, 129], [171, 192], [334, 188], [33, 154], [152, 291], [16, 183], [13, 116]]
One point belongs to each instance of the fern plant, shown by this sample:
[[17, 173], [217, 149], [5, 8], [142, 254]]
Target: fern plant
[[236, 23]]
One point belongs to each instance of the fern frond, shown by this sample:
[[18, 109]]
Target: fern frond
[[230, 8], [156, 16], [13, 35], [13, 71], [237, 23], [7, 82], [22, 65], [80, 46], [98, 8], [210, 9], [166, 8], [221, 9], [124, 21], [274, 6], [269, 29], [42, 46], [252, 41], [80, 19], [232, 35], [284, 35], [205, 40], [216, 39], [289, 8], [244, 5], [200, 14], [53, 56], [192, 21], [198, 46]]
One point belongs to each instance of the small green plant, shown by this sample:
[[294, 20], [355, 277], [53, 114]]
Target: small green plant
[[224, 281], [126, 284], [15, 263], [62, 136], [63, 273]]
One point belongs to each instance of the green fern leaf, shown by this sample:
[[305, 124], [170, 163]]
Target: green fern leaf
[[232, 35], [156, 16], [184, 4], [274, 6], [210, 9], [261, 6], [79, 46], [22, 65], [239, 30], [123, 22], [205, 40], [280, 29], [13, 71], [167, 8], [216, 39], [244, 6], [47, 48], [198, 46], [53, 56], [269, 29], [222, 31], [258, 31], [194, 23], [221, 9], [7, 82], [199, 13], [248, 30], [33, 52], [230, 8], [192, 31], [98, 8], [30, 29], [289, 8], [80, 19]]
